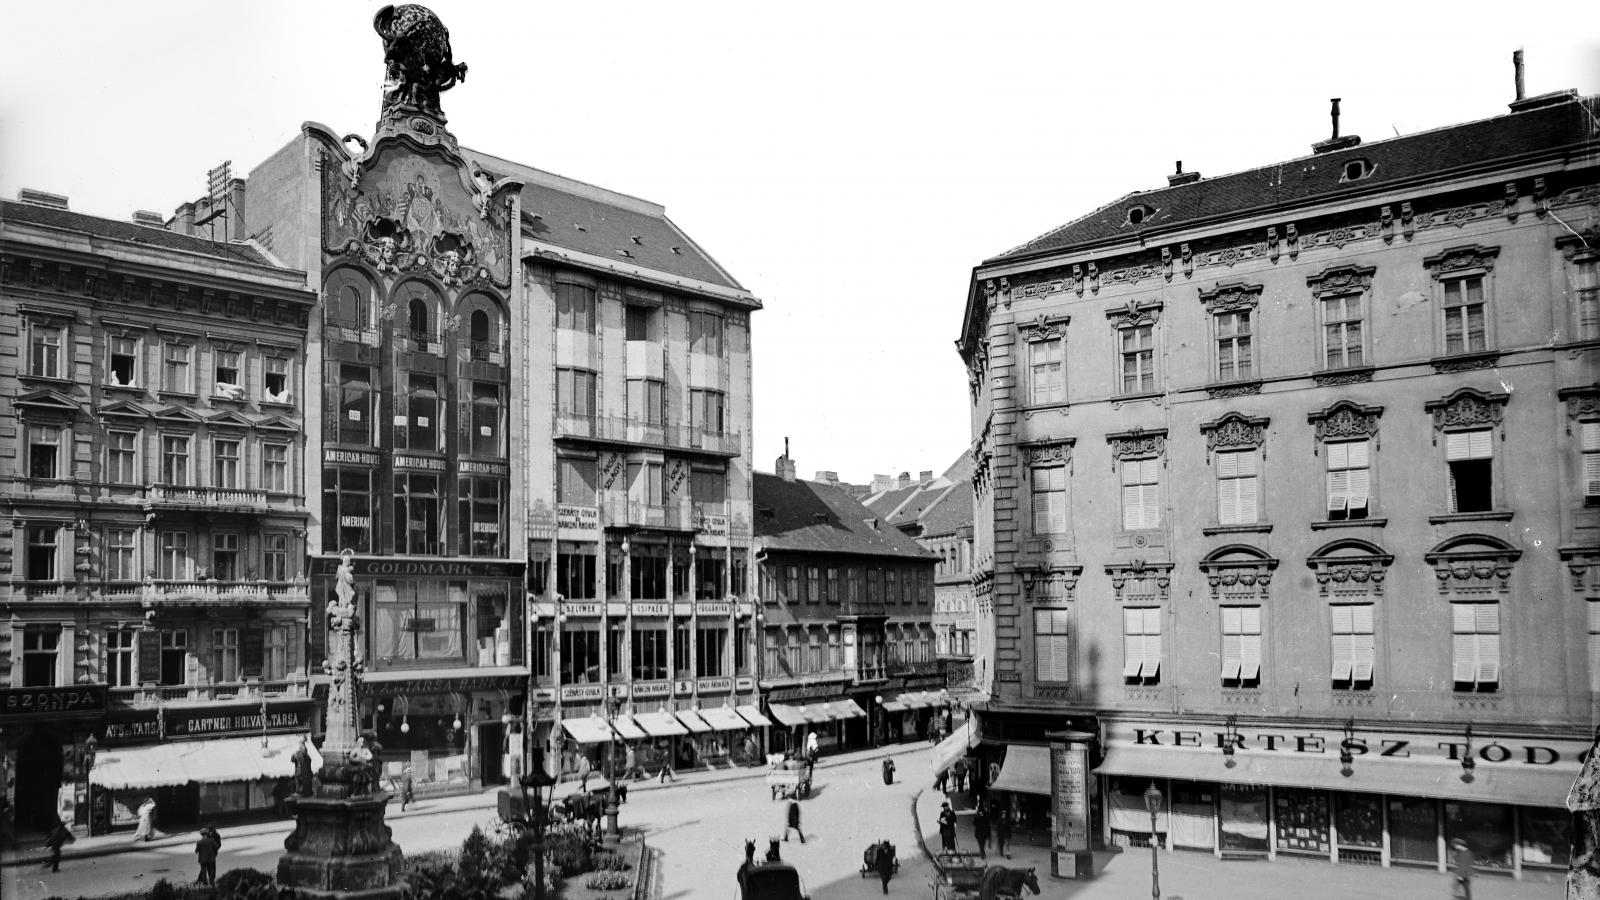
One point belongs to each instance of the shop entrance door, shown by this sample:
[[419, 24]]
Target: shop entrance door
[[491, 749], [39, 765]]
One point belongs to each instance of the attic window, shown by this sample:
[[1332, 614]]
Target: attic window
[[637, 239], [1356, 169], [765, 511], [580, 227], [676, 252], [1138, 214], [625, 253]]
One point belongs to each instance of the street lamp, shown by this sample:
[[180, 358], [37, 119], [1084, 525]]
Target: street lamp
[[1152, 802], [610, 834], [530, 821]]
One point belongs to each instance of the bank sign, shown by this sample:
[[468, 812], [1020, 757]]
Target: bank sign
[[1437, 747]]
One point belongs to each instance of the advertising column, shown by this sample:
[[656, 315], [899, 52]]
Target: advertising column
[[1069, 803]]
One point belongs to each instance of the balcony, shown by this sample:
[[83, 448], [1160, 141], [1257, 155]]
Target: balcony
[[209, 498], [348, 330], [621, 430], [250, 689], [620, 510], [209, 592]]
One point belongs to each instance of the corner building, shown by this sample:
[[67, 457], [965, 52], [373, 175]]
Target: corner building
[[1286, 491]]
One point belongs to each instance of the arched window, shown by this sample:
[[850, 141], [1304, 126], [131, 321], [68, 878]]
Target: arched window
[[480, 326], [349, 299], [419, 320]]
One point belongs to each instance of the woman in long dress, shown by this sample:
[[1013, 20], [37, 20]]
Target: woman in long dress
[[147, 815]]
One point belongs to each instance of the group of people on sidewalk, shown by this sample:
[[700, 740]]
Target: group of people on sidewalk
[[987, 821]]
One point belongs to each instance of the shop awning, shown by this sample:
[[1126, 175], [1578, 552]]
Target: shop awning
[[898, 704], [629, 729], [919, 699], [753, 716], [721, 718], [1523, 785], [945, 753], [237, 759], [132, 768], [1025, 771], [789, 715], [591, 730], [692, 721], [844, 709], [660, 724]]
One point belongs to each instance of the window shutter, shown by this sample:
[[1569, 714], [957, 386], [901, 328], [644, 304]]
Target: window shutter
[[1132, 507], [1343, 653], [1132, 652], [1228, 464], [1338, 490], [1341, 617], [1488, 658], [1041, 511], [1230, 657], [1591, 437], [1453, 506], [1250, 657], [1247, 498], [1487, 617], [1365, 655], [1359, 489], [1152, 510], [1479, 444], [1339, 456], [1457, 445], [1466, 658], [1152, 642], [149, 656], [1228, 500], [1058, 512]]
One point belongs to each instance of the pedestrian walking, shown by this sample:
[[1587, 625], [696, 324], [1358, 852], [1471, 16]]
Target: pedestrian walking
[[584, 769], [302, 769], [794, 821], [666, 769], [888, 771], [1002, 832], [1461, 870], [980, 832], [958, 771], [884, 863], [206, 850], [58, 837], [941, 781], [630, 765], [811, 746], [147, 820], [408, 786], [947, 826]]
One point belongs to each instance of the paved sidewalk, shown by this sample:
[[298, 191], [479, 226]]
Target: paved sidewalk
[[102, 845], [1185, 875]]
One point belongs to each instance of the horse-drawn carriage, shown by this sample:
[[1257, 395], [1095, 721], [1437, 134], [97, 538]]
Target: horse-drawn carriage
[[771, 879], [869, 859], [790, 779], [967, 876]]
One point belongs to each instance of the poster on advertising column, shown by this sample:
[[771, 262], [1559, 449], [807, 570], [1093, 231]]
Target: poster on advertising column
[[1070, 783]]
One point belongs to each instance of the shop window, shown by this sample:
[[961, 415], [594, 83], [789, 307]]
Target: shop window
[[1138, 358], [1349, 479], [1487, 829], [1049, 499], [419, 620], [176, 564], [1544, 836], [480, 516], [225, 556], [575, 305], [649, 653], [123, 365], [177, 371], [1241, 646], [175, 656], [1414, 830], [417, 513], [1475, 656], [45, 344], [705, 333], [357, 403], [575, 392], [575, 571], [1589, 443], [580, 654], [682, 650], [44, 452], [121, 554], [44, 552], [488, 420], [1237, 487], [1470, 456], [1141, 494], [347, 510], [275, 382], [1047, 371], [491, 615], [121, 647], [40, 646], [1354, 646], [275, 556], [709, 568], [224, 655], [1300, 818], [648, 571], [1141, 641], [1242, 818], [1052, 647], [1358, 827], [225, 463]]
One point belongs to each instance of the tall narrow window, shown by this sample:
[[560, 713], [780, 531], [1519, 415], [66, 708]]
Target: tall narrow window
[[275, 654], [175, 562], [705, 333], [175, 657], [1475, 631], [488, 420], [275, 556], [637, 323], [1141, 639], [1341, 331], [1349, 479], [225, 463], [122, 457], [1241, 646], [1052, 645], [1047, 370], [1469, 454], [1586, 293], [356, 405], [575, 307], [175, 459], [347, 510], [40, 646], [707, 412], [1138, 359], [176, 372], [1465, 330], [1589, 440], [123, 365], [1141, 494], [416, 514], [1593, 607], [1354, 647], [121, 555], [575, 392], [484, 342], [225, 556], [44, 451], [229, 373], [480, 518], [577, 479], [420, 322], [275, 468], [645, 401], [1049, 499], [120, 650], [44, 552], [224, 655], [44, 351], [1234, 359], [419, 428], [1236, 487], [275, 382]]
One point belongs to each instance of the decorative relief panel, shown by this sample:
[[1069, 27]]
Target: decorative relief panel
[[1140, 581], [1345, 420], [1137, 443], [1584, 567], [1231, 295], [1054, 452], [1341, 280], [1467, 408], [1234, 431], [1043, 328], [1350, 569], [1057, 583], [1135, 312], [1473, 564], [1239, 574], [1474, 257], [1582, 403]]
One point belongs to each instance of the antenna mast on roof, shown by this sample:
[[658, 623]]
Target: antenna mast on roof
[[217, 195]]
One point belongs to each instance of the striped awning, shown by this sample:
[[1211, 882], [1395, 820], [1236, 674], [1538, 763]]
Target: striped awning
[[692, 721], [591, 730], [238, 759], [845, 709], [721, 718], [753, 715], [660, 724], [132, 768], [629, 730], [791, 716]]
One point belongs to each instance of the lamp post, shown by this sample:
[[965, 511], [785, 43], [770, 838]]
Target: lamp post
[[611, 834], [1152, 802], [91, 746], [530, 822]]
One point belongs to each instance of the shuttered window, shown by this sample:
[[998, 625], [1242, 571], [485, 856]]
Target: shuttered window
[[1354, 648], [1591, 463], [1236, 487], [1141, 640], [1141, 494], [1047, 371], [1349, 479], [1049, 499], [1475, 630], [1469, 457], [1594, 644], [1241, 646], [1052, 650]]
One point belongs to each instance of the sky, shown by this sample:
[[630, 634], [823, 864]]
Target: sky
[[848, 163]]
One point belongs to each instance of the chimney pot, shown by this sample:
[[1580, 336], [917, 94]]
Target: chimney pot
[[1516, 65]]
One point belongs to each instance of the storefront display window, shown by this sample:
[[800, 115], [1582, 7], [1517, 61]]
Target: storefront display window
[[418, 620], [1413, 830], [493, 630], [1545, 836], [580, 654], [1358, 821], [1301, 820], [1128, 813], [1486, 827], [1194, 815], [575, 571], [1244, 818]]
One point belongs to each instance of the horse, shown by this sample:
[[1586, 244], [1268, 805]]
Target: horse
[[1000, 882], [585, 808]]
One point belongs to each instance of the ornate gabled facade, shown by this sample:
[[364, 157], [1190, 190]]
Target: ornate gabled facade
[[154, 517], [1332, 473]]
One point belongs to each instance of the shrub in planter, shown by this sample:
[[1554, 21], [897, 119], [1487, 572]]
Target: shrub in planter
[[553, 882], [163, 890], [244, 884], [569, 849], [608, 881]]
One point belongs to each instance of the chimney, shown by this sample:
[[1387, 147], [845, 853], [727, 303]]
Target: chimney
[[827, 477], [1336, 142], [183, 219], [904, 480], [881, 483], [785, 465], [149, 219], [1516, 67], [1524, 103], [1182, 177], [236, 223], [41, 198], [925, 476]]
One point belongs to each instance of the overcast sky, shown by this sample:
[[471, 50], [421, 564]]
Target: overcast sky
[[848, 162]]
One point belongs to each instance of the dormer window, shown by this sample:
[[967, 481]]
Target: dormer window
[[1356, 169], [1138, 214]]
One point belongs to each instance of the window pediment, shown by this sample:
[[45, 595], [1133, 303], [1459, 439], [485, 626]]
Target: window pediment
[[1580, 247], [1232, 295], [46, 403], [1051, 584], [1345, 420], [1140, 581], [228, 420], [1341, 280], [122, 409], [1460, 260], [1473, 564], [1239, 573], [1350, 568], [1135, 313], [1044, 328], [1138, 443], [1234, 431], [1050, 453], [1467, 408], [279, 424], [1582, 402]]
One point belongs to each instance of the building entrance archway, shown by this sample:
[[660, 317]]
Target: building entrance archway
[[39, 770]]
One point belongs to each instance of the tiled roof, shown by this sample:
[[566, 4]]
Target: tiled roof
[[913, 506], [813, 517], [592, 220], [1394, 161], [953, 511], [67, 220], [885, 502]]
